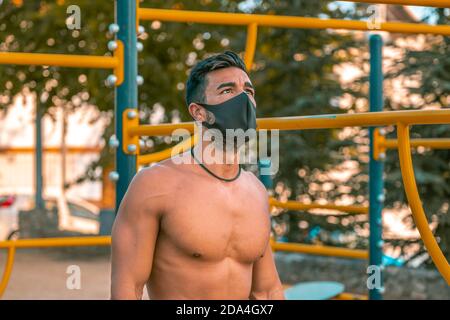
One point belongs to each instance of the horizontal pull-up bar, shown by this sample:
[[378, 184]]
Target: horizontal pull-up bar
[[328, 121], [296, 205], [50, 149], [69, 60], [320, 250], [60, 60], [422, 3], [283, 21], [143, 159], [380, 144], [366, 119], [57, 242], [437, 143]]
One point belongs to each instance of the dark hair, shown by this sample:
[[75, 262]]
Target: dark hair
[[196, 83]]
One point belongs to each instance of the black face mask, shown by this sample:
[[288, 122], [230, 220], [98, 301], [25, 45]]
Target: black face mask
[[238, 112]]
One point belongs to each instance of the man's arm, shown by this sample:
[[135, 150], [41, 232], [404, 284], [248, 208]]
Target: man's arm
[[133, 238], [266, 284]]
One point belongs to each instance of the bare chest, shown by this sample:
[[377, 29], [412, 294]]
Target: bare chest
[[214, 223]]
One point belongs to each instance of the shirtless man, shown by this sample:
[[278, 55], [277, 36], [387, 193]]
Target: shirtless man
[[188, 231]]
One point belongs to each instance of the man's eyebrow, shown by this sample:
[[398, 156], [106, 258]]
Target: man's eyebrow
[[249, 84], [233, 84], [226, 84]]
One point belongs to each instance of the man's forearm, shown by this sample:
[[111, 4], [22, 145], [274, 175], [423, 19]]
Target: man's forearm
[[276, 293], [126, 292]]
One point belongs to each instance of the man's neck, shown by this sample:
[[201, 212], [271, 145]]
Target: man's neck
[[222, 162]]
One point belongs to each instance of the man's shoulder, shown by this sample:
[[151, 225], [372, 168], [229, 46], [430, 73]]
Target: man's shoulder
[[155, 185], [257, 192], [255, 182], [165, 171]]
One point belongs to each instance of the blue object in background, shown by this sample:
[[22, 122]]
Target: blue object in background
[[265, 179], [390, 261], [319, 290], [313, 233]]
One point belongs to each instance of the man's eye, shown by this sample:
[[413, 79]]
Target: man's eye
[[251, 92], [226, 91]]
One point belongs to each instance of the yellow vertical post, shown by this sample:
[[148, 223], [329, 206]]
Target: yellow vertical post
[[137, 16], [250, 45]]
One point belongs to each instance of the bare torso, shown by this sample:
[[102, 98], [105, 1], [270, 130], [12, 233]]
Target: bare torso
[[210, 234]]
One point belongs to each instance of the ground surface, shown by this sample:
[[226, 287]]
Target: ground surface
[[43, 275]]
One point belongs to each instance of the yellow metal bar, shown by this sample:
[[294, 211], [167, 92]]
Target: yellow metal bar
[[163, 129], [167, 153], [57, 242], [409, 181], [422, 3], [51, 149], [320, 250], [8, 269], [366, 119], [436, 143], [60, 60], [250, 45], [130, 119], [69, 60], [329, 121], [137, 16], [283, 21], [119, 68], [379, 144], [295, 205]]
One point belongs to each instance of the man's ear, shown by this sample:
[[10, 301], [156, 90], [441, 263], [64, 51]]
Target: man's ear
[[197, 112]]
